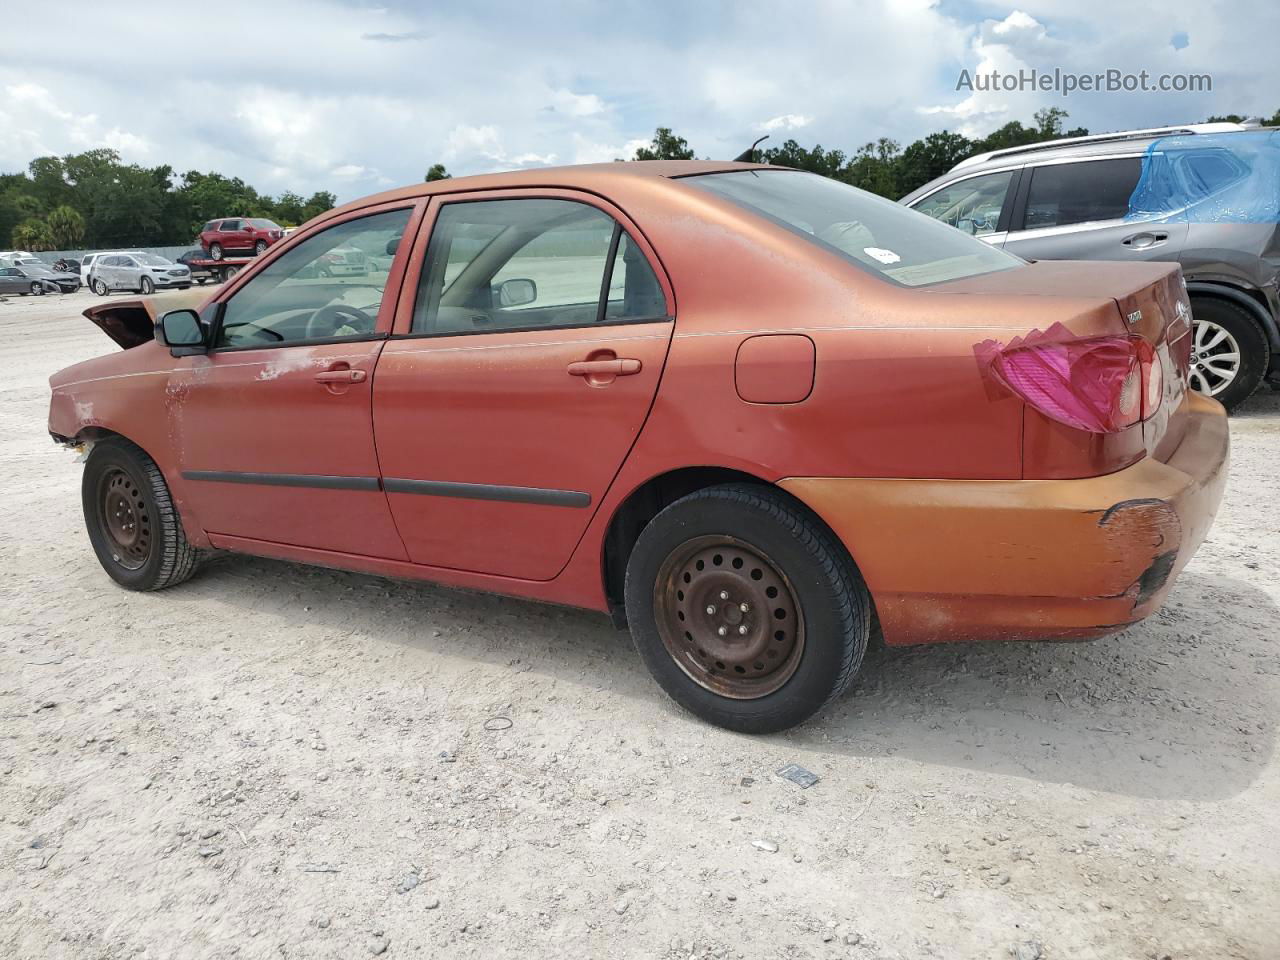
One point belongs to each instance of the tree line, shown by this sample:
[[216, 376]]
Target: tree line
[[93, 200]]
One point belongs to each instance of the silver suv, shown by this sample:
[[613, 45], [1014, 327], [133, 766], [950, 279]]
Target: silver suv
[[1202, 195], [140, 272]]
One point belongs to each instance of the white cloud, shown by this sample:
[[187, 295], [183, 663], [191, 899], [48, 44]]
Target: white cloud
[[787, 121], [577, 104]]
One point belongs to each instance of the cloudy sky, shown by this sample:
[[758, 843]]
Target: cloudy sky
[[357, 96]]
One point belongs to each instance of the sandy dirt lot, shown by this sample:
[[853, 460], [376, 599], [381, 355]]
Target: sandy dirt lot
[[279, 761]]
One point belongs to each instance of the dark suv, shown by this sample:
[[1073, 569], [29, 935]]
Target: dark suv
[[239, 234], [1202, 195]]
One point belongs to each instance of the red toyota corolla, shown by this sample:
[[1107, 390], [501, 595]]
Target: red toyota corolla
[[748, 411]]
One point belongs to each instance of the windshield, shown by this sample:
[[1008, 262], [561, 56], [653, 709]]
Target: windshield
[[880, 236], [150, 260]]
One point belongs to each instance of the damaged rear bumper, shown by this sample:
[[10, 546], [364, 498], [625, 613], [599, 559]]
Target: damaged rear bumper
[[1028, 559]]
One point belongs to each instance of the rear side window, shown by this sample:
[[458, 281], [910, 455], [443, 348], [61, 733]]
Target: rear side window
[[520, 264], [1065, 193], [878, 235], [230, 225]]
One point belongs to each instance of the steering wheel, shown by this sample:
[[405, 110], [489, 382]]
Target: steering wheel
[[326, 321]]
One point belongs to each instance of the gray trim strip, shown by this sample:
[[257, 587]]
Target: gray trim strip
[[284, 479], [489, 491]]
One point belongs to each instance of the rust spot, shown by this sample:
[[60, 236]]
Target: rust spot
[[1128, 505], [1155, 576]]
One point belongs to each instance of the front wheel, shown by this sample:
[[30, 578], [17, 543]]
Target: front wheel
[[37, 289], [100, 288], [133, 525], [745, 608], [146, 287], [260, 248], [1229, 351]]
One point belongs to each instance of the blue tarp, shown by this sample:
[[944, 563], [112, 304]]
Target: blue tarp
[[1210, 178]]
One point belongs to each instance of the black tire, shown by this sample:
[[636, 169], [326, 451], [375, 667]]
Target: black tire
[[830, 594], [37, 288], [100, 288], [201, 280], [146, 286], [260, 248], [215, 251], [169, 559], [1248, 334]]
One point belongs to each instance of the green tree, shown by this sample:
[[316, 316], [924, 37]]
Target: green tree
[[828, 163], [437, 172], [875, 167], [288, 209], [928, 158], [318, 203], [66, 226], [665, 146], [32, 235]]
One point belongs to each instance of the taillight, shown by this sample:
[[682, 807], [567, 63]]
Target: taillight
[[1099, 384]]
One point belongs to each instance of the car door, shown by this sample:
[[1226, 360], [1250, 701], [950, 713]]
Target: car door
[[527, 355], [274, 425], [12, 280], [979, 205], [232, 235], [128, 273], [1079, 210]]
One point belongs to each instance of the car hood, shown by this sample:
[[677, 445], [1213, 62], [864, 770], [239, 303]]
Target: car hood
[[127, 322]]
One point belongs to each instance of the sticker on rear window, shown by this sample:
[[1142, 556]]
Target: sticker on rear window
[[881, 254]]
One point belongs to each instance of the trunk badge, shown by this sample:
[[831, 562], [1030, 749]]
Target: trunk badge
[[1135, 317]]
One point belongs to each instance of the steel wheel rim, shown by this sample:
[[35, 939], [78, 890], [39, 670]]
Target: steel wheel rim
[[698, 605], [124, 519], [1215, 359]]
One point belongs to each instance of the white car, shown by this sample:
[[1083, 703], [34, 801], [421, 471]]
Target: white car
[[87, 261]]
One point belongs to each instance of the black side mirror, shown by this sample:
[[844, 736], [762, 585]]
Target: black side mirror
[[182, 333]]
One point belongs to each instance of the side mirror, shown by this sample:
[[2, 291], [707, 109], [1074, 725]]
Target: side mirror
[[392, 245], [517, 292], [181, 332]]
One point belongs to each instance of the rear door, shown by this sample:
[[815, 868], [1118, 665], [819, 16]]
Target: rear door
[[1076, 210], [232, 235], [527, 353], [274, 426]]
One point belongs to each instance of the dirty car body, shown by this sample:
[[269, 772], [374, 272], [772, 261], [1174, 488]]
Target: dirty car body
[[745, 410]]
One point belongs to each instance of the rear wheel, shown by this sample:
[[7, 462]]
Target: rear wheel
[[132, 523], [215, 251], [146, 287], [745, 609], [1228, 351]]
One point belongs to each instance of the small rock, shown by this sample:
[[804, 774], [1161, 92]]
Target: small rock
[[207, 852], [1028, 950], [408, 883], [209, 833], [378, 946], [768, 846], [621, 906], [432, 904], [323, 923]]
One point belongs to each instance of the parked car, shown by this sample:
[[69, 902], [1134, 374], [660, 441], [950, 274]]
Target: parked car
[[89, 259], [740, 408], [192, 260], [6, 256], [138, 272], [67, 265], [220, 237], [1089, 198], [36, 280]]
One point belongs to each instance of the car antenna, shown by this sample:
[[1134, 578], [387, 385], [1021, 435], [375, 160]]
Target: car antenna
[[749, 155]]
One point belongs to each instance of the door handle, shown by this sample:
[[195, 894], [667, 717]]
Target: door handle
[[1140, 241], [341, 376], [617, 367]]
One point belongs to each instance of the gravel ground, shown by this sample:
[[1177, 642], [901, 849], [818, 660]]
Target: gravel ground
[[279, 761]]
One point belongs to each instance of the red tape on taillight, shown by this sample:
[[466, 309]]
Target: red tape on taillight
[[1100, 384]]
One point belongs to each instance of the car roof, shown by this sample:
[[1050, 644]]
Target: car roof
[[593, 177]]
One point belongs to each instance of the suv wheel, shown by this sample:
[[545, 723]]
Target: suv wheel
[[99, 287], [260, 248], [1228, 351], [215, 251], [146, 287], [745, 609]]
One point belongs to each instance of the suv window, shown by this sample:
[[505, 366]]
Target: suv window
[[299, 298], [526, 264], [230, 225], [1067, 193], [973, 205]]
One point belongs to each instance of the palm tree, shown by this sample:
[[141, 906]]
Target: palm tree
[[32, 235]]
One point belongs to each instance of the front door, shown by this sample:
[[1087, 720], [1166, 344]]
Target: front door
[[531, 352], [274, 424]]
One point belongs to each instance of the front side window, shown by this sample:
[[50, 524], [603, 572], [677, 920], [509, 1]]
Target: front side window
[[321, 289], [971, 205], [878, 235], [531, 263], [1065, 193]]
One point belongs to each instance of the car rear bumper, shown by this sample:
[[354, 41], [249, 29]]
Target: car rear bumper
[[1029, 559]]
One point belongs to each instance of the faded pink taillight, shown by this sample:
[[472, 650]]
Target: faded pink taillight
[[1099, 384]]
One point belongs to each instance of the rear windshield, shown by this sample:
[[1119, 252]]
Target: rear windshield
[[895, 243]]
